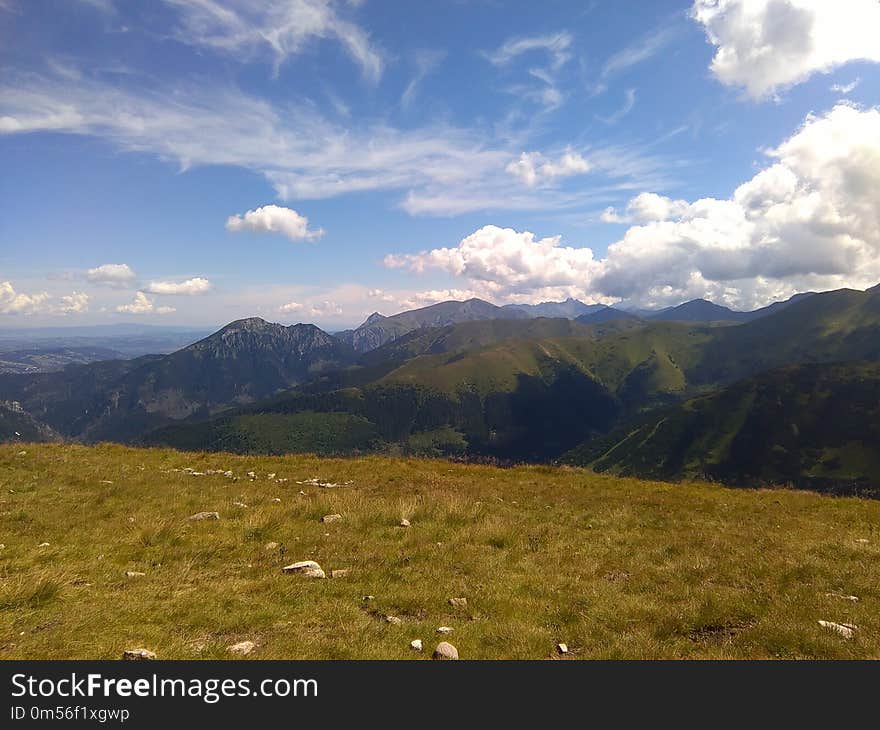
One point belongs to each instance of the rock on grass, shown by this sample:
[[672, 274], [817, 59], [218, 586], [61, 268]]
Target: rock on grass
[[138, 654], [445, 650], [200, 516], [307, 568], [242, 648]]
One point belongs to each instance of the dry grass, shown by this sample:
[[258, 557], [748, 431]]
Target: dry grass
[[615, 568]]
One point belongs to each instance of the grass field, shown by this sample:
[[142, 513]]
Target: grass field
[[614, 568]]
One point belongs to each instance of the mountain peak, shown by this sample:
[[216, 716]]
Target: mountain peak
[[248, 323]]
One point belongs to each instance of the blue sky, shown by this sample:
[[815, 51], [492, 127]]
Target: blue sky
[[196, 161]]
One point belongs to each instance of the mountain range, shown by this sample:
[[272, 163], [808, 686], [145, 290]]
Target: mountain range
[[475, 380]]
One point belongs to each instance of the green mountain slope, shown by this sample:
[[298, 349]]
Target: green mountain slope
[[813, 426]]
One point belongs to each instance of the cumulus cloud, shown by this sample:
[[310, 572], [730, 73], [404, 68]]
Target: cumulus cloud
[[274, 219], [15, 302], [767, 45], [283, 28], [190, 287], [503, 256], [646, 207], [381, 295], [73, 303], [809, 220], [533, 168], [116, 275], [142, 304], [312, 309]]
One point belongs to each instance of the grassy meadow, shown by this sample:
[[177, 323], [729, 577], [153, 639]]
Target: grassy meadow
[[613, 567]]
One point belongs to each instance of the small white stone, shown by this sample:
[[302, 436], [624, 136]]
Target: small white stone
[[43, 544], [416, 645], [445, 630], [331, 518], [307, 568], [851, 599], [562, 648], [271, 546], [393, 620], [276, 500], [458, 602], [243, 648], [134, 574], [847, 631], [199, 516], [138, 654], [404, 523]]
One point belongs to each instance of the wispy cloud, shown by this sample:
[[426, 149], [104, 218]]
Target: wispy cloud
[[628, 104], [555, 45], [638, 52], [441, 169], [425, 62], [283, 28]]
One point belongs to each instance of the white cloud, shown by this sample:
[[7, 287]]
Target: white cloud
[[381, 295], [274, 219], [809, 220], [116, 275], [845, 88], [532, 167], [142, 304], [502, 256], [647, 207], [768, 45], [15, 302], [284, 28], [312, 309], [73, 303], [556, 45], [438, 168], [197, 285]]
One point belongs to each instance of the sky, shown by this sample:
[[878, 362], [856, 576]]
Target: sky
[[198, 161]]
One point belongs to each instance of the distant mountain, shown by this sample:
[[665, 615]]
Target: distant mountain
[[702, 310], [697, 310], [377, 330], [813, 426], [569, 309], [246, 360], [607, 314]]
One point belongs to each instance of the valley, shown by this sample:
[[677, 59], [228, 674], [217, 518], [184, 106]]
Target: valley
[[669, 395]]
